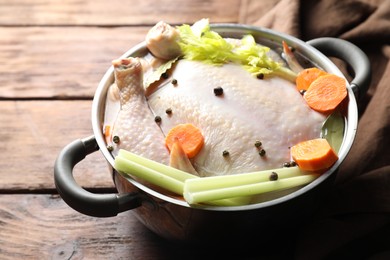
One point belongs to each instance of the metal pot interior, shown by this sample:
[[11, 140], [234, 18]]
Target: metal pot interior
[[307, 55]]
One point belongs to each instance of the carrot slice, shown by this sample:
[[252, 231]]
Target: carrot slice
[[307, 76], [107, 133], [314, 155], [189, 136], [326, 93]]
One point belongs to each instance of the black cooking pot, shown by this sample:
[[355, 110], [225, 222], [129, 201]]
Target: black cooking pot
[[172, 217]]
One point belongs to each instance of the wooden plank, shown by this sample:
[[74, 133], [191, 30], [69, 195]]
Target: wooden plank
[[115, 12], [65, 62], [32, 133], [44, 227]]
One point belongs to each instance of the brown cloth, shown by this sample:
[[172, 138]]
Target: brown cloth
[[354, 221]]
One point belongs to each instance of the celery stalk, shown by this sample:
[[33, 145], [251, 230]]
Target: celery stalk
[[162, 168], [226, 181], [245, 190], [238, 201], [149, 175], [162, 175], [229, 190], [285, 73]]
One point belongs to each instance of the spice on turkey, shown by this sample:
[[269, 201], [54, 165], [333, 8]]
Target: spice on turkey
[[157, 119], [218, 91], [115, 139], [168, 111], [262, 152], [258, 144]]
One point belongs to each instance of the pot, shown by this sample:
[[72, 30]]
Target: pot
[[173, 218]]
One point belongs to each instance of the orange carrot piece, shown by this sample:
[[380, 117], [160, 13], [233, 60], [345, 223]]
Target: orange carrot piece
[[314, 155], [307, 76], [189, 136], [107, 133], [326, 93]]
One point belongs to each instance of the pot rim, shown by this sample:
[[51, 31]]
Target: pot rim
[[237, 30]]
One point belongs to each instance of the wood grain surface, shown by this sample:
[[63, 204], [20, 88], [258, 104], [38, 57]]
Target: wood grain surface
[[44, 227], [116, 12], [34, 132], [38, 226], [60, 62]]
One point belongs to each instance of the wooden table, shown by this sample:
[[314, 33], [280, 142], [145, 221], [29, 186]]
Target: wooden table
[[52, 56]]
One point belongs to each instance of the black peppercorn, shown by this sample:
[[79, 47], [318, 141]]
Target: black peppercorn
[[273, 177], [293, 163], [218, 91], [260, 76], [262, 152], [157, 119], [225, 153], [258, 144], [115, 139]]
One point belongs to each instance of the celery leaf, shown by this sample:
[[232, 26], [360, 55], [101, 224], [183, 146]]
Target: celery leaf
[[199, 43]]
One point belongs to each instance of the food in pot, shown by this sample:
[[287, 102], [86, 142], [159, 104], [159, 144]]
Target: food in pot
[[248, 110], [234, 97]]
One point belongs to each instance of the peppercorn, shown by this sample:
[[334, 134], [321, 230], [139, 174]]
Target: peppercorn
[[110, 148], [260, 76], [218, 91], [115, 139], [174, 81], [286, 164], [258, 144], [293, 163], [262, 152], [225, 153], [165, 75], [168, 111], [157, 119], [290, 164], [273, 177]]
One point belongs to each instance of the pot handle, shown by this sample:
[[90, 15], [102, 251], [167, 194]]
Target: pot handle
[[96, 205], [353, 55]]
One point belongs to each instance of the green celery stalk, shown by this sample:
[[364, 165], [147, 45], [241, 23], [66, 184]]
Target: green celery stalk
[[285, 73], [229, 202], [229, 190], [162, 168], [245, 190], [226, 181], [149, 175], [162, 175]]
